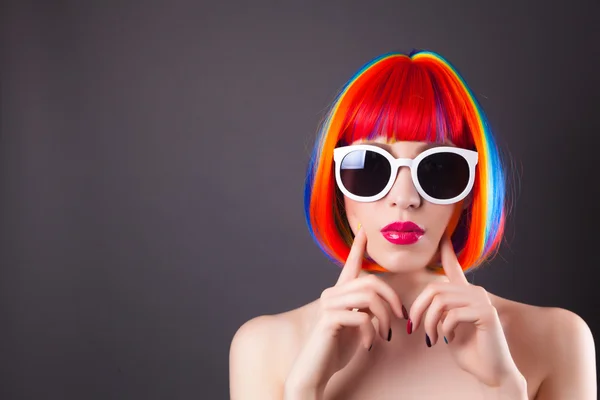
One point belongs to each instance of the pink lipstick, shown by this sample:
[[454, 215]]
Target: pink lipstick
[[402, 232]]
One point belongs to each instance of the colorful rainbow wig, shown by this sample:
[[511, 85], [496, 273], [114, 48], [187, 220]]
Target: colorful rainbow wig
[[414, 97]]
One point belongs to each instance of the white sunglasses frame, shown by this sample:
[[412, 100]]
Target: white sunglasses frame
[[470, 156]]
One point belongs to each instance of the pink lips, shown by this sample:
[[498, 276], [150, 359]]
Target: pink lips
[[402, 232]]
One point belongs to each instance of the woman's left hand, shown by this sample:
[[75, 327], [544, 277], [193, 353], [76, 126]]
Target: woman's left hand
[[468, 320]]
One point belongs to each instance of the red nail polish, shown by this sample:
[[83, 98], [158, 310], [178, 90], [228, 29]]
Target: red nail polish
[[409, 326], [404, 312]]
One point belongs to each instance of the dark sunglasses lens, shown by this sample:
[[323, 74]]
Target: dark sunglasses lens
[[443, 175], [365, 173]]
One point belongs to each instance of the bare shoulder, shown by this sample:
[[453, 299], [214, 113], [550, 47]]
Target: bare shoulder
[[546, 326], [262, 351], [553, 347]]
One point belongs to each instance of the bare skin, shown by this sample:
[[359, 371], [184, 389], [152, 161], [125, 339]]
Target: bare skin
[[319, 350], [406, 368]]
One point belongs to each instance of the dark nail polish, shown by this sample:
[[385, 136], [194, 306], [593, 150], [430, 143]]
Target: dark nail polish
[[370, 347], [445, 340], [404, 312], [409, 326], [427, 340], [390, 335]]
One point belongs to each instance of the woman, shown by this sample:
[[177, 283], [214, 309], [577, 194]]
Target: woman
[[406, 191]]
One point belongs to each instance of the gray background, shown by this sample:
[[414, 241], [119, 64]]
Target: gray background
[[152, 159]]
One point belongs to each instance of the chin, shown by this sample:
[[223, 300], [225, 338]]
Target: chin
[[402, 261]]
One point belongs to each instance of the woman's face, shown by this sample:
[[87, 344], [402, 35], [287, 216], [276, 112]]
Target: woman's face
[[402, 204]]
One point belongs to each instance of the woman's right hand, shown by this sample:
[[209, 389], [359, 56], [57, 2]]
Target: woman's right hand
[[344, 322]]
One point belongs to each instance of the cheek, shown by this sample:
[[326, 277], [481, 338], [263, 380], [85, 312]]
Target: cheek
[[444, 217], [357, 212], [348, 206], [437, 218]]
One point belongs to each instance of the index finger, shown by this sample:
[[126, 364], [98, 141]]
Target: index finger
[[353, 264], [452, 267]]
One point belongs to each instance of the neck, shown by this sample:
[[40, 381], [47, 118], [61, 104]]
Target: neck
[[409, 285]]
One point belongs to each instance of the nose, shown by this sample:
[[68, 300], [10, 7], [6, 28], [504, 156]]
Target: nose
[[404, 194]]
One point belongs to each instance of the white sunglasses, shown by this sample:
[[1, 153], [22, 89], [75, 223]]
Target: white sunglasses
[[441, 175]]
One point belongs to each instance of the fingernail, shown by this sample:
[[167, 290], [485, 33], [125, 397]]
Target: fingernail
[[409, 326], [404, 312], [427, 340], [445, 340], [390, 335], [370, 347]]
